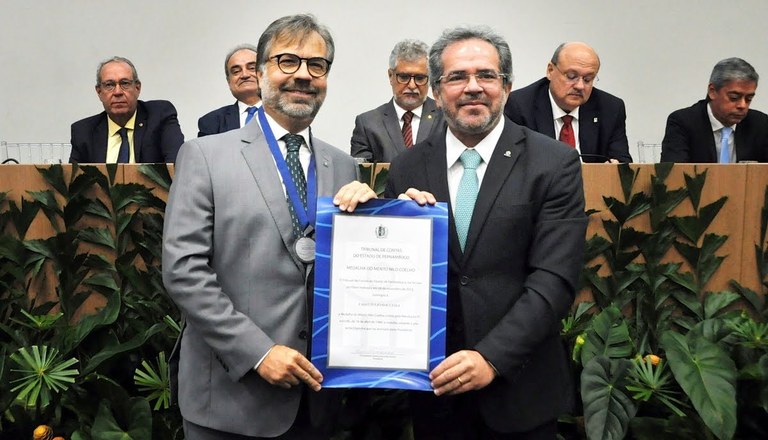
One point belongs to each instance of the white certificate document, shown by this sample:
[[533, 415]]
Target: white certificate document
[[379, 308]]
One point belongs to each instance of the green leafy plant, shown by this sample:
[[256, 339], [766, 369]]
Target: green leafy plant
[[92, 292], [709, 355]]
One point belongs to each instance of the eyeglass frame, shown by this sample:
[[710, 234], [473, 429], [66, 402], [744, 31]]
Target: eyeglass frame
[[488, 81], [423, 82], [578, 77], [125, 85], [306, 61]]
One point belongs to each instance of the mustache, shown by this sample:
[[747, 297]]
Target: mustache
[[473, 101], [299, 86]]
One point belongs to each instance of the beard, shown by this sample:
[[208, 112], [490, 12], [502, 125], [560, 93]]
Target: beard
[[290, 106], [475, 124]]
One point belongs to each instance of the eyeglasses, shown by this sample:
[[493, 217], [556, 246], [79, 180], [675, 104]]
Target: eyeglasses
[[125, 85], [572, 77], [405, 78], [484, 78], [290, 63]]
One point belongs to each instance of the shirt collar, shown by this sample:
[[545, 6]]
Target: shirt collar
[[557, 112], [454, 147], [279, 132], [716, 125], [243, 107], [401, 111], [113, 128]]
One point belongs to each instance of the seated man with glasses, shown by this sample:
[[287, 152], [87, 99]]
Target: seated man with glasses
[[409, 117], [128, 130], [565, 105]]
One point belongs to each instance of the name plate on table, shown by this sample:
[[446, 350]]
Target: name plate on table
[[380, 294]]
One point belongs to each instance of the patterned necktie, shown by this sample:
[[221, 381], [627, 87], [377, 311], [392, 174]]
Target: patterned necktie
[[725, 152], [466, 194], [251, 112], [124, 156], [566, 133], [407, 132], [293, 143]]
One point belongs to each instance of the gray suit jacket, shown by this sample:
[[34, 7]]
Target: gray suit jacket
[[377, 136], [229, 264]]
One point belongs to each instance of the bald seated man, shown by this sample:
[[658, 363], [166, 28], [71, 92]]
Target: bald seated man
[[566, 105]]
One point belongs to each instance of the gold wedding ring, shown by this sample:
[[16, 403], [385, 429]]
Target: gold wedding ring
[[460, 381]]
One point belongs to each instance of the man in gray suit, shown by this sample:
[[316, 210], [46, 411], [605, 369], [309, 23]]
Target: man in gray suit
[[237, 256], [409, 117]]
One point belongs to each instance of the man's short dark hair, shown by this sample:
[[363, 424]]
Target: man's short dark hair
[[295, 27], [451, 36]]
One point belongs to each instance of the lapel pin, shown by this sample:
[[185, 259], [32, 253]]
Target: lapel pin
[[594, 120], [507, 153], [429, 116], [325, 163]]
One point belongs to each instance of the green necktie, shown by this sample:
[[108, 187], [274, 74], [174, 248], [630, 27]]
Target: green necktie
[[466, 194]]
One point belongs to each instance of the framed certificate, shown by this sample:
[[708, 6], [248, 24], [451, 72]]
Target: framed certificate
[[380, 294]]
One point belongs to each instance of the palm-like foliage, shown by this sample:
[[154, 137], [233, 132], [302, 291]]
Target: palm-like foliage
[[41, 372]]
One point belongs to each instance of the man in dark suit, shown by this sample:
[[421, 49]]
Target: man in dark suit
[[409, 117], [514, 254], [240, 70], [565, 105], [128, 130], [721, 128], [236, 253]]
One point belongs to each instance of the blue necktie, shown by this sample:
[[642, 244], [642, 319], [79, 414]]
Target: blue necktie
[[251, 112], [124, 156], [293, 143], [466, 194], [725, 153]]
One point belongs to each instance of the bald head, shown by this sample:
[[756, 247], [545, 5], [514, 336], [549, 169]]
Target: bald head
[[572, 72]]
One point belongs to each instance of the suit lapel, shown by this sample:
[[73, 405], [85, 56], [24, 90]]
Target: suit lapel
[[259, 159], [542, 113], [437, 181], [428, 113], [139, 128], [232, 117], [589, 118], [392, 125], [100, 140], [709, 138], [323, 168], [503, 159]]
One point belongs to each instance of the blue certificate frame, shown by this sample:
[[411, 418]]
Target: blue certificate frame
[[353, 377]]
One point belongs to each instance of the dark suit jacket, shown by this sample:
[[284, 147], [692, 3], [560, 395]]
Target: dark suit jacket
[[602, 120], [688, 136], [156, 136], [516, 279], [220, 120], [377, 136]]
